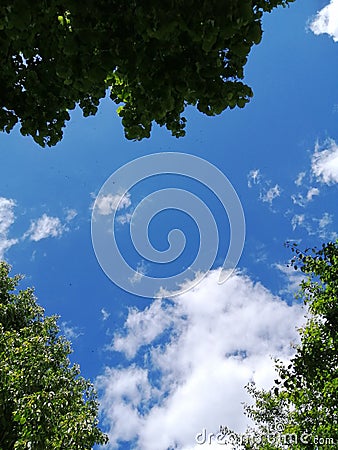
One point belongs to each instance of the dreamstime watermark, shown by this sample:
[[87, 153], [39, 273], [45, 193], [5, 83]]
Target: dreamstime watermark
[[275, 436], [114, 197]]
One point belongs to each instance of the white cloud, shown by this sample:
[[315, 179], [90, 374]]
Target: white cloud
[[315, 226], [311, 193], [260, 253], [297, 221], [105, 314], [298, 199], [141, 270], [326, 21], [70, 214], [325, 220], [325, 162], [33, 255], [124, 218], [302, 201], [143, 327], [293, 278], [194, 355], [271, 194], [267, 194], [108, 204], [299, 179], [69, 331], [254, 177], [6, 214], [127, 388], [7, 219], [45, 227], [323, 224]]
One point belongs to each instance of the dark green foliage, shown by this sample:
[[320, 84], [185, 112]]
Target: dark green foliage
[[156, 57], [302, 406], [44, 402]]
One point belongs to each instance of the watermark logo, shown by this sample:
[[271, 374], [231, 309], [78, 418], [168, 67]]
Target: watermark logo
[[275, 436], [115, 197]]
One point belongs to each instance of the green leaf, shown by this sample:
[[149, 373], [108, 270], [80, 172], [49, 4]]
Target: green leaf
[[75, 50]]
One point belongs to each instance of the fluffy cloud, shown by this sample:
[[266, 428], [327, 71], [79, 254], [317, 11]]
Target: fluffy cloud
[[270, 194], [41, 228], [45, 227], [142, 328], [311, 193], [190, 358], [325, 162], [326, 21], [6, 221], [108, 204]]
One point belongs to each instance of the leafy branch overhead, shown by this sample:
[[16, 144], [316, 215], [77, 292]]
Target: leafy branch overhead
[[155, 57]]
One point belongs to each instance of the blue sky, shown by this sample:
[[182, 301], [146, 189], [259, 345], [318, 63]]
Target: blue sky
[[167, 368]]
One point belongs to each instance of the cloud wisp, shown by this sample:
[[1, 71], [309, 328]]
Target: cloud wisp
[[311, 184], [302, 200], [267, 193], [292, 277], [270, 194], [105, 314], [71, 332], [254, 177], [315, 226]]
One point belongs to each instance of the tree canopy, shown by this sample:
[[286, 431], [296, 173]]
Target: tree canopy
[[44, 402], [301, 410], [155, 57]]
